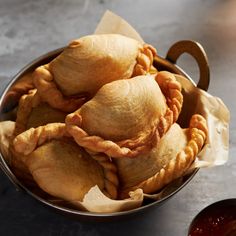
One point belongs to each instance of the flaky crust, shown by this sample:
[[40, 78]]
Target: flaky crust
[[26, 104], [97, 60], [125, 117], [110, 175], [92, 60], [133, 171], [28, 141], [145, 60], [43, 114], [62, 169], [49, 92], [13, 159], [19, 88], [171, 88], [179, 165], [32, 138], [32, 112]]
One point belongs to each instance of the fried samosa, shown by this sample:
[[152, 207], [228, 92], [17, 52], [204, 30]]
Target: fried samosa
[[88, 63], [169, 160], [124, 118], [61, 167]]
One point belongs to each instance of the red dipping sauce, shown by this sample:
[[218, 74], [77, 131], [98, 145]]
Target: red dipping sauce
[[218, 219]]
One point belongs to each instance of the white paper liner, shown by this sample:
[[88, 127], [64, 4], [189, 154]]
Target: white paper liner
[[96, 201], [114, 24], [216, 150]]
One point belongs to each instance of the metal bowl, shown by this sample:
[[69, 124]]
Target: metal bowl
[[169, 64]]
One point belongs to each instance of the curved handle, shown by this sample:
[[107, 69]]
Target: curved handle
[[196, 50]]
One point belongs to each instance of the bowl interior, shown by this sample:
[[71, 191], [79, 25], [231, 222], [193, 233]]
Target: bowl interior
[[5, 107]]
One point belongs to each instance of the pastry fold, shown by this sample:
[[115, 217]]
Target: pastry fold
[[62, 169], [49, 146], [133, 171], [33, 113], [126, 117], [88, 63], [171, 157], [97, 60]]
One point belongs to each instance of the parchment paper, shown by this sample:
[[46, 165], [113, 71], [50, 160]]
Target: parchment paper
[[215, 152], [216, 149]]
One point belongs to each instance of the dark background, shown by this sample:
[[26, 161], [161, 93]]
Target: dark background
[[31, 28]]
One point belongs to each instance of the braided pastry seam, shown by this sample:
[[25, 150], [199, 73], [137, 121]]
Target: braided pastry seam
[[144, 60], [126, 148], [26, 104], [110, 174], [171, 89], [29, 140], [177, 166], [48, 91]]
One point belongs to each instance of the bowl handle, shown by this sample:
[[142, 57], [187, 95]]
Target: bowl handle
[[196, 50]]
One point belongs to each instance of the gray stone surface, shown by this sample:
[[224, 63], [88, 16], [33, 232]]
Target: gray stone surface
[[31, 28]]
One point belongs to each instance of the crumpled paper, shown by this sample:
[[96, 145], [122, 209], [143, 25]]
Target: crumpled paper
[[215, 152], [111, 23], [96, 201]]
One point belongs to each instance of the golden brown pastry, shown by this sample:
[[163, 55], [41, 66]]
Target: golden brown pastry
[[6, 134], [168, 161], [19, 88], [29, 116], [88, 63], [33, 113], [171, 89], [12, 158], [44, 114], [133, 171], [121, 134], [61, 167], [126, 117], [81, 69]]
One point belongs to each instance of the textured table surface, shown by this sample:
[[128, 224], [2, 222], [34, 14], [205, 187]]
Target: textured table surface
[[31, 28]]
